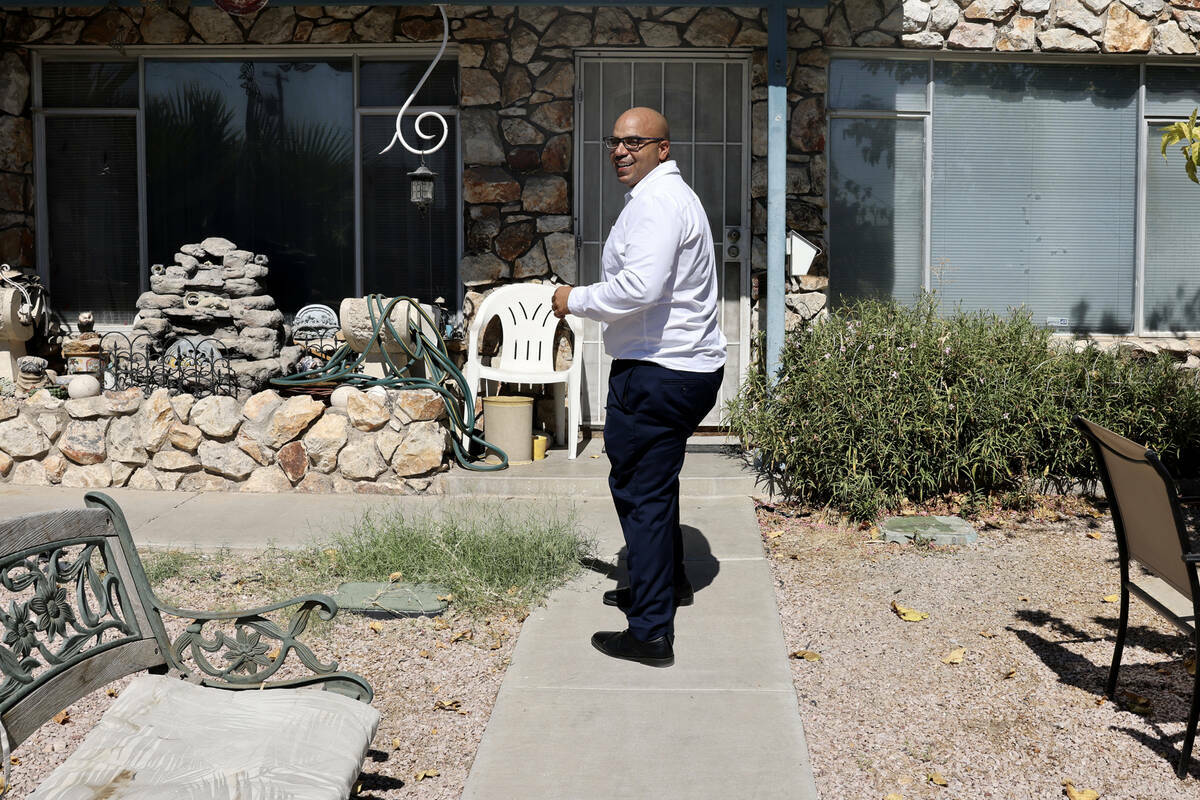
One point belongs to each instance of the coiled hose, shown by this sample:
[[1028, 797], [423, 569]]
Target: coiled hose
[[443, 377]]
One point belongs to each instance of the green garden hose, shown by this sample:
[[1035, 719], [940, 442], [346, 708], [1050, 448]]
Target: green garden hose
[[442, 376]]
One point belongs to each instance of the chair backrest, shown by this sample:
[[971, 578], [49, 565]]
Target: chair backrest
[[1145, 506], [73, 612], [527, 326]]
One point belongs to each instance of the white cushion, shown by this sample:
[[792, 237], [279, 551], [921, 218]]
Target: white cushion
[[166, 738]]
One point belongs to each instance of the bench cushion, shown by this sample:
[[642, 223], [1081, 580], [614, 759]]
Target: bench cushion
[[165, 738]]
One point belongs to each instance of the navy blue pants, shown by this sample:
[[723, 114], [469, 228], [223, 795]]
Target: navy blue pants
[[651, 412]]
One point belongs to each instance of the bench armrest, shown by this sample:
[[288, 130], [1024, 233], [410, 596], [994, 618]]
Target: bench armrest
[[247, 656]]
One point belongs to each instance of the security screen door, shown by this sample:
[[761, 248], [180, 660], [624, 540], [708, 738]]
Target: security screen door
[[706, 102]]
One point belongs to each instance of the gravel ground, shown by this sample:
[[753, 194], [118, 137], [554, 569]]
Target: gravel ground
[[412, 664], [1025, 709]]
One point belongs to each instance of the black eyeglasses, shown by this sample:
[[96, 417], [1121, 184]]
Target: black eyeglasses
[[632, 143]]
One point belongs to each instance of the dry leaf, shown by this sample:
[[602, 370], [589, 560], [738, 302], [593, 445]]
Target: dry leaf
[[773, 534], [807, 655], [936, 779], [395, 576], [1135, 703], [62, 718], [445, 598], [1023, 599], [273, 654], [955, 656], [467, 634], [1010, 674], [396, 744], [1078, 794], [111, 692], [593, 456], [424, 654], [1095, 535], [908, 614], [427, 773], [376, 626], [16, 762], [987, 634], [440, 624], [447, 705], [1112, 598], [331, 552], [433, 731], [495, 646], [893, 796]]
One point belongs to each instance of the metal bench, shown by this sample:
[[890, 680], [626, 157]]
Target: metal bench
[[78, 612]]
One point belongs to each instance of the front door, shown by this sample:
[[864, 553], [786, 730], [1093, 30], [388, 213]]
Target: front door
[[706, 102]]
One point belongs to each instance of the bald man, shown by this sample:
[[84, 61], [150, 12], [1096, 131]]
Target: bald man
[[657, 301]]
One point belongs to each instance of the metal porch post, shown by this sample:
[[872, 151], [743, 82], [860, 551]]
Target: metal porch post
[[776, 178]]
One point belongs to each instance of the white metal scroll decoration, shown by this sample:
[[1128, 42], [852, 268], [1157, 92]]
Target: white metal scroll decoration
[[398, 136]]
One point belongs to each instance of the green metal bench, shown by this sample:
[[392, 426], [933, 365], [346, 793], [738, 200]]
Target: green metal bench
[[78, 613]]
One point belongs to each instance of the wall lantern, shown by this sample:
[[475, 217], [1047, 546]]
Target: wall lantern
[[421, 187]]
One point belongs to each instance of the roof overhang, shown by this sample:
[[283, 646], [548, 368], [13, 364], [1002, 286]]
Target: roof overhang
[[616, 4]]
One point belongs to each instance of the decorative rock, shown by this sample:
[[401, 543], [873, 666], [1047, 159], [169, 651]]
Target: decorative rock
[[125, 442], [20, 439], [518, 131], [51, 424], [186, 437], [83, 386], [16, 144], [242, 287], [1074, 14], [549, 224], [94, 476], [315, 483], [14, 90], [120, 472], [175, 461], [614, 26], [522, 45], [1126, 32], [560, 253], [556, 155], [386, 442], [55, 466], [6, 463], [267, 480], [656, 34], [121, 403], [293, 460], [83, 441], [545, 195], [806, 304], [479, 87], [489, 185], [214, 26], [994, 10], [1020, 35], [418, 405], [422, 450], [162, 26], [43, 400], [1169, 39], [1096, 6], [972, 36], [366, 413], [569, 30], [1146, 8], [916, 15], [360, 460], [261, 405], [274, 25], [204, 482], [524, 159], [325, 440], [226, 460], [514, 240], [291, 419], [155, 419], [481, 269], [807, 129], [336, 33], [253, 448], [30, 473], [481, 142], [219, 417], [340, 397], [531, 265], [144, 478], [8, 408], [379, 393], [556, 117], [1066, 41], [376, 25], [712, 27]]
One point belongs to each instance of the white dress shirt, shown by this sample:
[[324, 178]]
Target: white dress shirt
[[657, 298]]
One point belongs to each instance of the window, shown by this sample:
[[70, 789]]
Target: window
[[261, 151], [1001, 184]]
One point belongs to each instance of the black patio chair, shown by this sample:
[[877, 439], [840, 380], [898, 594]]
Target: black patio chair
[[1150, 531]]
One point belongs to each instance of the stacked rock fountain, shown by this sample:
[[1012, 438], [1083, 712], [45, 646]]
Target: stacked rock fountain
[[214, 290]]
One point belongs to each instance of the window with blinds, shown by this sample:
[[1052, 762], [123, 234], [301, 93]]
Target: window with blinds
[[1002, 185]]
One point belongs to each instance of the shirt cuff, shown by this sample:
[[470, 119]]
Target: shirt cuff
[[575, 300]]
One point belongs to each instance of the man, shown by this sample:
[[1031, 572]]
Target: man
[[658, 301]]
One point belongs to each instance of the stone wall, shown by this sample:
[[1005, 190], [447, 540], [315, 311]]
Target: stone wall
[[268, 444]]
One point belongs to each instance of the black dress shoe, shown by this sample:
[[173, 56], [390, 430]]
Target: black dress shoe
[[622, 597], [623, 644]]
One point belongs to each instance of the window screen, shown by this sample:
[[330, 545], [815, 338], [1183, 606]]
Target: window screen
[[876, 84], [1033, 192], [1172, 283]]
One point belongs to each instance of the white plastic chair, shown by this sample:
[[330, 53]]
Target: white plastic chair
[[527, 325]]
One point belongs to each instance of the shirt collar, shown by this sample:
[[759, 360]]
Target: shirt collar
[[666, 168]]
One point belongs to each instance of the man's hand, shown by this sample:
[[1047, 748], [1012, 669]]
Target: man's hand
[[559, 301]]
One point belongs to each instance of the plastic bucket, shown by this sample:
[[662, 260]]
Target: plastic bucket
[[508, 424], [540, 442]]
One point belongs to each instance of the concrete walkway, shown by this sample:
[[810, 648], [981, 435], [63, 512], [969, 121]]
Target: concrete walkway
[[570, 723]]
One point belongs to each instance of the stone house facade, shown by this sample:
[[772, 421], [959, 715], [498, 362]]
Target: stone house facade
[[526, 128]]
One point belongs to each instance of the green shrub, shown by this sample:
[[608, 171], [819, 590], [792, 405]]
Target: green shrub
[[882, 402]]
